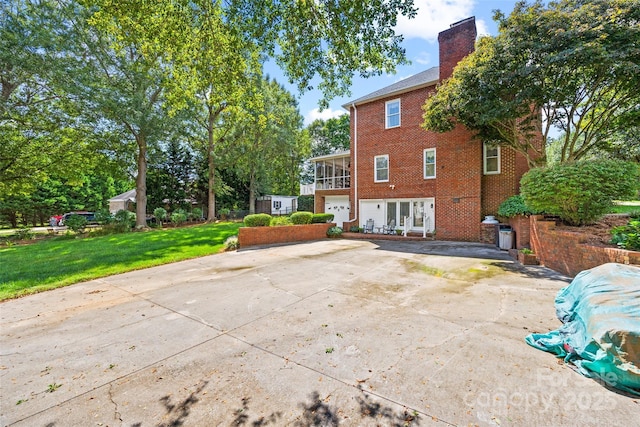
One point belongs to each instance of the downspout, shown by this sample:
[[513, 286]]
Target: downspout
[[355, 162]]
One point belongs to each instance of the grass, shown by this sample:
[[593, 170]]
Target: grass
[[58, 262], [625, 209]]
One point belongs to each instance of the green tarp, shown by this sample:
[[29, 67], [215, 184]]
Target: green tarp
[[600, 335]]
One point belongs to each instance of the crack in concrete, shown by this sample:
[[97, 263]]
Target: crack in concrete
[[116, 413]]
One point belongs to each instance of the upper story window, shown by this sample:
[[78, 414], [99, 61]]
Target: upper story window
[[392, 114], [491, 159], [429, 163], [381, 164]]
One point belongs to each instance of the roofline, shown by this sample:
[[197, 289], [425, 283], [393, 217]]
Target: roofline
[[348, 105], [331, 156]]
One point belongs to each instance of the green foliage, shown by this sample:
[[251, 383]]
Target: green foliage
[[514, 206], [103, 216], [257, 220], [627, 236], [334, 232], [305, 203], [301, 217], [355, 229], [224, 213], [580, 193], [232, 243], [196, 213], [76, 223], [319, 218], [124, 220], [178, 217], [280, 220], [160, 214], [574, 60], [24, 233]]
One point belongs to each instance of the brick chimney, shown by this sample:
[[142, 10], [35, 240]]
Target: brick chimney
[[456, 43]]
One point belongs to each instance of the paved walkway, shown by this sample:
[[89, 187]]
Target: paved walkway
[[334, 332]]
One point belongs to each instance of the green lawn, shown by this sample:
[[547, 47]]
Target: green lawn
[[58, 262], [629, 207]]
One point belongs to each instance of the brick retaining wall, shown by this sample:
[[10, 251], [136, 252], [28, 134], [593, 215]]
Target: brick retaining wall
[[566, 252], [252, 236]]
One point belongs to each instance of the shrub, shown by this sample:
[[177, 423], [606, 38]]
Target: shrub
[[76, 223], [178, 217], [232, 243], [280, 220], [24, 233], [224, 213], [104, 217], [334, 232], [579, 193], [301, 218], [124, 221], [514, 206], [160, 214], [321, 218], [354, 229], [257, 220], [196, 213], [627, 236]]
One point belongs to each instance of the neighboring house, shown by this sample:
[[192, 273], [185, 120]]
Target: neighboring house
[[122, 201], [397, 171]]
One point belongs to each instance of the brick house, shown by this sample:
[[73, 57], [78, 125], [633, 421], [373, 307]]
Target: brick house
[[422, 181]]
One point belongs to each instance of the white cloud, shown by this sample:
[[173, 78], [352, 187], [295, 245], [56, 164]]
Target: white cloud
[[483, 30], [423, 58], [325, 114], [434, 16]]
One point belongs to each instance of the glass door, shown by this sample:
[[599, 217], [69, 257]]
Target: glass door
[[418, 214]]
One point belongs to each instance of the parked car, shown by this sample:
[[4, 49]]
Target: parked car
[[90, 216]]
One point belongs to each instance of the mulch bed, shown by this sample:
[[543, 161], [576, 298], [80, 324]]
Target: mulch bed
[[598, 234]]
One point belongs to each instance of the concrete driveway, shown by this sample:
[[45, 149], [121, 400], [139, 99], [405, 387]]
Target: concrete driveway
[[334, 332]]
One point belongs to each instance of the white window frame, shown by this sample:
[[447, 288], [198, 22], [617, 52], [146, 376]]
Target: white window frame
[[424, 163], [375, 168], [387, 115], [485, 146]]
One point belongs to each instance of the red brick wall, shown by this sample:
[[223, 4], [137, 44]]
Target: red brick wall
[[252, 236], [566, 252], [522, 227]]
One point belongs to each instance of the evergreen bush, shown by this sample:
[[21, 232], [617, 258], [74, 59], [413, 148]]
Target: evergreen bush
[[76, 223], [322, 218], [257, 220], [299, 218], [582, 192], [514, 206]]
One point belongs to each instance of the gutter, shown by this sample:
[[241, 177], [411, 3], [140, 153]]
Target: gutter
[[355, 162]]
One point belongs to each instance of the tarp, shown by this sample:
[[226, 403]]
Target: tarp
[[600, 335]]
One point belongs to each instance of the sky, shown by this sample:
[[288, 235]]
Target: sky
[[421, 45]]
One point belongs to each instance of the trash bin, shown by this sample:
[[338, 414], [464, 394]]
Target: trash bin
[[506, 238], [499, 228]]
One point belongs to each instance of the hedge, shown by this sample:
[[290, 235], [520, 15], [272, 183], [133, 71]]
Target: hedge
[[301, 218], [320, 218], [257, 220]]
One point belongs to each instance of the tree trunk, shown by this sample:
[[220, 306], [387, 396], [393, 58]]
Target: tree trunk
[[252, 194], [141, 183], [211, 193]]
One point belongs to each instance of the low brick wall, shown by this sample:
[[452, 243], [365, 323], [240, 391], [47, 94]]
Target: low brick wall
[[252, 236], [566, 252], [522, 226]]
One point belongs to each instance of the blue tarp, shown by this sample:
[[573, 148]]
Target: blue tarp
[[600, 335]]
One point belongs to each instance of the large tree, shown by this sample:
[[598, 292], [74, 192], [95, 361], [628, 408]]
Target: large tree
[[572, 65], [268, 144], [39, 129], [327, 137]]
